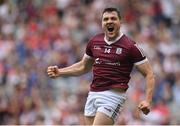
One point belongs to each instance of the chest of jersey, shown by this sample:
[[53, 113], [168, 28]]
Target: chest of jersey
[[114, 54]]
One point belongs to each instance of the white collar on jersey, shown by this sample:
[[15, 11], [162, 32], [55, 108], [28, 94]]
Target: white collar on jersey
[[111, 42]]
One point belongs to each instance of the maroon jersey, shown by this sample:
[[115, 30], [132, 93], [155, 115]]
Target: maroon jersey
[[113, 63]]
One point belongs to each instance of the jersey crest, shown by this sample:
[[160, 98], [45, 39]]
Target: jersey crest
[[118, 50]]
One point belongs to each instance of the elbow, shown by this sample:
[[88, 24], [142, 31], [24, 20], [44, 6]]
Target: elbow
[[151, 76]]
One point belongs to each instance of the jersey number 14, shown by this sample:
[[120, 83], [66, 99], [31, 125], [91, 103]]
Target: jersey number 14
[[107, 50]]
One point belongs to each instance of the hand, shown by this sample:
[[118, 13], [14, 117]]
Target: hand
[[144, 106], [53, 71]]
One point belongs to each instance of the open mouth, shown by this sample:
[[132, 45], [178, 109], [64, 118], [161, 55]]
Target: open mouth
[[110, 28]]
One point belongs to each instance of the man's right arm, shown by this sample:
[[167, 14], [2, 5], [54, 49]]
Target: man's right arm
[[79, 68]]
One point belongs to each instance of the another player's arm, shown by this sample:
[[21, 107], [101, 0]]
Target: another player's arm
[[146, 70], [79, 68]]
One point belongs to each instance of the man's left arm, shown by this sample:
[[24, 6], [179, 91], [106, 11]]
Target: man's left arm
[[147, 72]]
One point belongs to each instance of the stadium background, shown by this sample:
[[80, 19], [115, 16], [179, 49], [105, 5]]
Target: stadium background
[[37, 33]]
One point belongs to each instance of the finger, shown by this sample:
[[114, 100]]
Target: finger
[[143, 108], [52, 75], [49, 70], [52, 67], [140, 106]]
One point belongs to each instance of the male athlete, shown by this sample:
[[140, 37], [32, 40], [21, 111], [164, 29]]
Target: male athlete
[[112, 56]]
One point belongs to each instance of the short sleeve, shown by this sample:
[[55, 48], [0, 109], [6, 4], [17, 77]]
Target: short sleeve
[[137, 55], [89, 49]]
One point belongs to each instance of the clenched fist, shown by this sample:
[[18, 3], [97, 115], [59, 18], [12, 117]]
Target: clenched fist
[[144, 107], [53, 71]]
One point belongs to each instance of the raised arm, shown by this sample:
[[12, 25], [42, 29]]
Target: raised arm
[[147, 72], [79, 68]]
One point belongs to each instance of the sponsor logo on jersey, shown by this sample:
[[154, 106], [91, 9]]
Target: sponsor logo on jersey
[[100, 61], [97, 47]]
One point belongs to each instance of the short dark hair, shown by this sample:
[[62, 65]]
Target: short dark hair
[[110, 9]]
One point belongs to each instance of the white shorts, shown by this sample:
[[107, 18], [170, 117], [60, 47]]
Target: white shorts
[[108, 102]]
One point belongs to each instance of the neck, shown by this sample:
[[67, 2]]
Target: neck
[[112, 38]]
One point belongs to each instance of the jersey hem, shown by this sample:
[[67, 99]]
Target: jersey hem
[[125, 87]]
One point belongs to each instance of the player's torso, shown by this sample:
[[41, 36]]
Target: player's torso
[[113, 55], [112, 64]]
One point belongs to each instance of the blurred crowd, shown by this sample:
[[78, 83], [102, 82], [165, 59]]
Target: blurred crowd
[[37, 33]]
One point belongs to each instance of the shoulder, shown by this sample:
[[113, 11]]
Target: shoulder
[[127, 41], [98, 38]]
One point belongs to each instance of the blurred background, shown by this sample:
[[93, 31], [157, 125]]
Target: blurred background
[[37, 33]]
